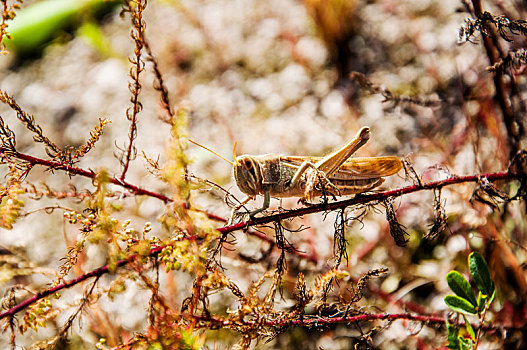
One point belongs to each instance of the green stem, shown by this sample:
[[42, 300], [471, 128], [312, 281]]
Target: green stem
[[481, 321]]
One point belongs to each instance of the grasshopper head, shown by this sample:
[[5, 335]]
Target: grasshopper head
[[248, 175]]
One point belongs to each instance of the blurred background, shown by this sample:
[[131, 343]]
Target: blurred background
[[273, 76]]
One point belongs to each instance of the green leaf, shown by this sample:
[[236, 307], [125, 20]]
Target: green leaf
[[480, 273], [459, 304], [453, 341], [39, 23], [470, 330], [461, 287]]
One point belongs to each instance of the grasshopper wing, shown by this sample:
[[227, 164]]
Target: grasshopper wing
[[368, 167], [354, 168], [356, 175]]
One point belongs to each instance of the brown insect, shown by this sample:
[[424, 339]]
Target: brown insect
[[274, 175]]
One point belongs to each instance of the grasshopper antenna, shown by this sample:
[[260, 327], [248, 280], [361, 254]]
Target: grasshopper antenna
[[234, 154], [211, 151]]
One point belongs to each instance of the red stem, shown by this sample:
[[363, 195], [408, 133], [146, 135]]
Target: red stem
[[86, 173], [366, 198], [427, 319], [94, 273]]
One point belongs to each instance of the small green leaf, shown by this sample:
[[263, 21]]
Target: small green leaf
[[453, 341], [459, 304], [470, 330], [461, 287], [480, 273]]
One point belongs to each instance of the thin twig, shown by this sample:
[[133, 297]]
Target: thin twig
[[94, 273], [513, 127], [136, 8], [73, 170], [159, 83], [389, 96]]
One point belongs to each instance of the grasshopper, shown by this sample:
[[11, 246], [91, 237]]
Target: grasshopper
[[274, 175]]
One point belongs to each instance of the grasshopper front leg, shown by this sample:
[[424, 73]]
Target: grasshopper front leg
[[236, 208], [265, 205], [267, 200]]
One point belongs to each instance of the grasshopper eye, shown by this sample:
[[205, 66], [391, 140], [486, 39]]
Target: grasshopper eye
[[248, 164]]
